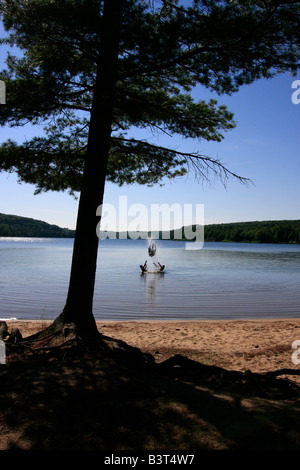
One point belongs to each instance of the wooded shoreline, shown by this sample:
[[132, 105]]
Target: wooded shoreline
[[281, 231]]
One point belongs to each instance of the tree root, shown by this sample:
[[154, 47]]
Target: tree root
[[55, 341], [265, 384], [189, 365]]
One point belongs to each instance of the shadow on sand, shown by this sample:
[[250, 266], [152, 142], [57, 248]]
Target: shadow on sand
[[86, 401]]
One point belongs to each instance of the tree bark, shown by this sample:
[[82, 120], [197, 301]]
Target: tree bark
[[79, 305]]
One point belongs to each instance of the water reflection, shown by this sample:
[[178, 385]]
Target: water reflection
[[152, 284]]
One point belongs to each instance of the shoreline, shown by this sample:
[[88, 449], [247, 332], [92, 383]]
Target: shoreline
[[154, 321], [259, 345]]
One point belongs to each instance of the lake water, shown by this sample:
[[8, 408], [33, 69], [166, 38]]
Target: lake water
[[220, 281]]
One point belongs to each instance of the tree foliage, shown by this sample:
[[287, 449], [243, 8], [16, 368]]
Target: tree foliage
[[94, 71], [165, 50], [16, 226], [274, 231]]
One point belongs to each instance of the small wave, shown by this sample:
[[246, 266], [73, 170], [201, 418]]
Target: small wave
[[7, 319], [25, 239]]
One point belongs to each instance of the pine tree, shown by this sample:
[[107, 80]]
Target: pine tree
[[92, 70]]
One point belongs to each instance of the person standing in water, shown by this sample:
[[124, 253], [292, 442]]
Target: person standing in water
[[144, 267], [159, 266]]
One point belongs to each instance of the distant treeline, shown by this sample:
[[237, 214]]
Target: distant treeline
[[275, 231], [282, 231], [16, 226]]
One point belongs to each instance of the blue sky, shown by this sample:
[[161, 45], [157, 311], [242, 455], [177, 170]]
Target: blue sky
[[265, 147]]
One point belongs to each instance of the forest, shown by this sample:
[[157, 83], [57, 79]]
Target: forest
[[16, 226], [274, 231]]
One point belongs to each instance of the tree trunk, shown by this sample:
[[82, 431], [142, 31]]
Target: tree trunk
[[79, 304]]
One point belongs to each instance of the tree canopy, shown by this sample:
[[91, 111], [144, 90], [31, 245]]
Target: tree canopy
[[93, 71], [165, 50]]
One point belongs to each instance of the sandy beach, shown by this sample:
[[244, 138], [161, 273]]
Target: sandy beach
[[256, 345], [86, 402]]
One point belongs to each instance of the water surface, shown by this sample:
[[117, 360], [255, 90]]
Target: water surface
[[221, 281]]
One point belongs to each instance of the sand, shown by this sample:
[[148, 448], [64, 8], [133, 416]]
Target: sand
[[87, 403], [256, 345]]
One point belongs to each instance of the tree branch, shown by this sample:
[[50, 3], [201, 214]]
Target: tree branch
[[201, 164]]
